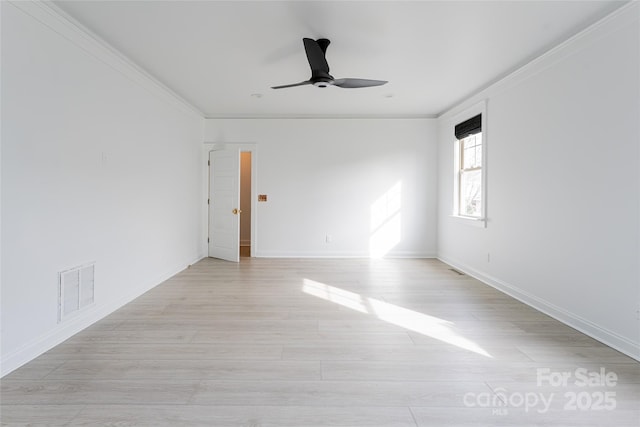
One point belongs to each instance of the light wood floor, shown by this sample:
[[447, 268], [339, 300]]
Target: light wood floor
[[271, 342]]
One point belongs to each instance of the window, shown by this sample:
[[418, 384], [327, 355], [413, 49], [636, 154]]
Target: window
[[469, 173], [470, 179]]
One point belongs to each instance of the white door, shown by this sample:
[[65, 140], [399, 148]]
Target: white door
[[224, 205]]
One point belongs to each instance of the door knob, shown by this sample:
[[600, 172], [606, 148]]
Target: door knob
[[236, 211]]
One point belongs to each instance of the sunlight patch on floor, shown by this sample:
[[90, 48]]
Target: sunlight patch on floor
[[339, 296], [434, 327]]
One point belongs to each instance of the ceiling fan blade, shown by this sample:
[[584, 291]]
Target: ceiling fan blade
[[324, 44], [315, 55], [355, 83], [307, 82]]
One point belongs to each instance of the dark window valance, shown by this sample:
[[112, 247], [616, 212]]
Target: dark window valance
[[469, 127]]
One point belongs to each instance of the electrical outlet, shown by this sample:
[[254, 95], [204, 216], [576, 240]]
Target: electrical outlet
[[328, 238]]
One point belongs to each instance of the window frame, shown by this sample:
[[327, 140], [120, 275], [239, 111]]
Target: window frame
[[468, 113]]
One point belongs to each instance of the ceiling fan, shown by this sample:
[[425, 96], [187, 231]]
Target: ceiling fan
[[320, 77]]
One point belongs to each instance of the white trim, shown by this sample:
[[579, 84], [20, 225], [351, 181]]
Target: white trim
[[66, 26], [251, 147], [342, 255], [64, 331], [323, 117], [610, 338], [474, 110], [470, 221]]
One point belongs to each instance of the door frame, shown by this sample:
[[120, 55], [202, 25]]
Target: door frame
[[243, 147]]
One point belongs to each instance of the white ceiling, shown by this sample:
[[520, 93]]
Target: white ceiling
[[223, 56]]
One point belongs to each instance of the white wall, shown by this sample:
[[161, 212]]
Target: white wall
[[563, 184], [324, 176], [94, 168]]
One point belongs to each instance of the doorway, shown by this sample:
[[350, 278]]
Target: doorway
[[232, 209], [245, 204]]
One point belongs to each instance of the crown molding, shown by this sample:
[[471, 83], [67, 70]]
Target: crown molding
[[627, 14], [51, 16], [325, 117]]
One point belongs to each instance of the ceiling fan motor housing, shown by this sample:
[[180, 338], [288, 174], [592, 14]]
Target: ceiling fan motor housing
[[321, 79]]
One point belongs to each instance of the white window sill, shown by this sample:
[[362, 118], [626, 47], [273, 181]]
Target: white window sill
[[470, 221]]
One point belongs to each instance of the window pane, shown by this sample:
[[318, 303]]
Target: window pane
[[472, 151], [478, 150], [469, 157], [471, 193]]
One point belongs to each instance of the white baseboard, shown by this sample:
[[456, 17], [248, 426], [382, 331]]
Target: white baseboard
[[64, 331], [610, 338], [337, 254]]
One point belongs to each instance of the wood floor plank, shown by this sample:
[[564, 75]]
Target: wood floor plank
[[438, 352], [240, 370], [336, 393], [516, 340], [429, 370], [171, 351], [173, 335], [219, 325], [489, 371], [106, 392], [38, 415], [305, 338], [577, 354], [38, 369], [254, 416], [509, 417]]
